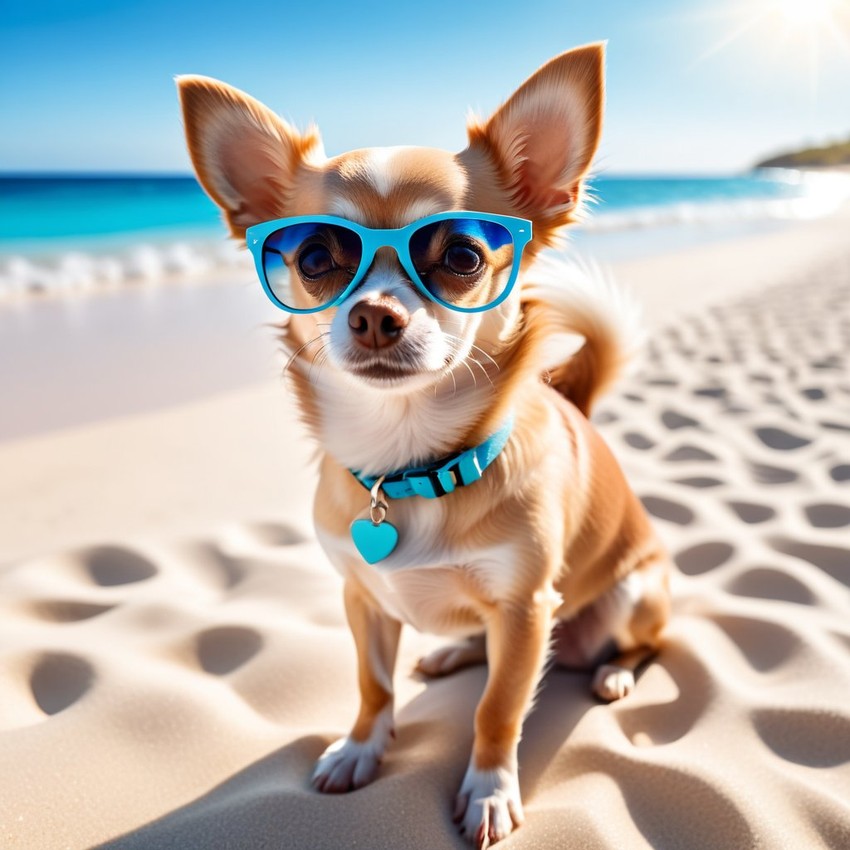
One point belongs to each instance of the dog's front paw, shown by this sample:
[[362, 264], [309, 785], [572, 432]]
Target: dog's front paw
[[348, 764], [488, 805]]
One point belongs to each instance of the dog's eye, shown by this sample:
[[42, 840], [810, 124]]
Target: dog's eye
[[315, 260], [462, 259]]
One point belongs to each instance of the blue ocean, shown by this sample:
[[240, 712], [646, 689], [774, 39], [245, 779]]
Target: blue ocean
[[72, 231]]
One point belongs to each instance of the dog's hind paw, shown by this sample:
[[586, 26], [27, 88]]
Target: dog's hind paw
[[447, 659], [611, 682]]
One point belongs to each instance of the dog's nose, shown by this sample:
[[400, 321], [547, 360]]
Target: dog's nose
[[378, 324]]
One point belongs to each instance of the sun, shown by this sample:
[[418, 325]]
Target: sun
[[806, 12]]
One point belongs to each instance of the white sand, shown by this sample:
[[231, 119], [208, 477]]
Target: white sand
[[173, 653]]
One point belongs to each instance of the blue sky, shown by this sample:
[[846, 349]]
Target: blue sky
[[88, 86]]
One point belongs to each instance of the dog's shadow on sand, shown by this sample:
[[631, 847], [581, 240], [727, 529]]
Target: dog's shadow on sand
[[271, 803]]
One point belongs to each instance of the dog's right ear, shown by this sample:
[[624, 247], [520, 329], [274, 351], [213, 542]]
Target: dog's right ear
[[245, 156]]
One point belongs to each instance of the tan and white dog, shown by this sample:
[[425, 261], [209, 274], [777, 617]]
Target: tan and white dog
[[550, 554]]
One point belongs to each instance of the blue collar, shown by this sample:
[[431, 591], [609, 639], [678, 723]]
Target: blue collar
[[443, 476]]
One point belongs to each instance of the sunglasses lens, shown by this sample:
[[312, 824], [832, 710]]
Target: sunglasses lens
[[465, 262], [308, 265]]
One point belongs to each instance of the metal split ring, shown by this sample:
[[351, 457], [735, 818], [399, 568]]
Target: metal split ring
[[378, 507]]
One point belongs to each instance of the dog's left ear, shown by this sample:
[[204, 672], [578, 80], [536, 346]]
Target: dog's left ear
[[544, 136]]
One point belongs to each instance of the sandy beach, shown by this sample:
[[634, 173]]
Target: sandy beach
[[173, 648]]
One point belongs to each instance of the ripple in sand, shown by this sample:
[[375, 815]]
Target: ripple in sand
[[833, 560], [661, 723], [770, 583], [67, 610], [58, 680], [811, 737], [223, 649], [703, 557], [115, 565], [702, 806], [828, 515], [752, 512], [780, 439], [669, 510], [689, 452]]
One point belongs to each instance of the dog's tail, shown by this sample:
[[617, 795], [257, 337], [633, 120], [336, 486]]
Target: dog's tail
[[574, 300]]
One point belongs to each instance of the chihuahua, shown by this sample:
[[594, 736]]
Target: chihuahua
[[462, 488]]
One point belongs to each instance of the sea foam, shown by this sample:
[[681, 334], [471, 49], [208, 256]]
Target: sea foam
[[143, 264]]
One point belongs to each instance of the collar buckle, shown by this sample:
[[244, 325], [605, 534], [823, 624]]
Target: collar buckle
[[432, 482]]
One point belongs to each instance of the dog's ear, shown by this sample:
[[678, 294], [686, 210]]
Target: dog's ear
[[245, 156], [544, 136]]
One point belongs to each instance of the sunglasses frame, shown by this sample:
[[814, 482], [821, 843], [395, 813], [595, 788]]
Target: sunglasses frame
[[396, 238]]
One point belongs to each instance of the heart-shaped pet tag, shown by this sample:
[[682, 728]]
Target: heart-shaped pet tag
[[374, 542]]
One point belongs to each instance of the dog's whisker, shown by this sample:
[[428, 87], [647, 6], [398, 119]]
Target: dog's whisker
[[469, 369], [479, 349], [454, 383], [294, 356], [484, 371], [318, 361]]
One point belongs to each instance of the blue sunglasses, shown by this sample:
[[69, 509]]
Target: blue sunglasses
[[466, 261]]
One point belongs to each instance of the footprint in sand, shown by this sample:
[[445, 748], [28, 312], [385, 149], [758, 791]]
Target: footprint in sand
[[833, 560], [667, 509], [58, 680], [638, 441], [110, 566], [764, 473], [780, 439], [66, 610], [711, 392], [764, 644], [771, 583], [752, 512], [828, 515], [274, 534], [673, 420], [699, 559], [223, 649], [840, 472], [700, 482], [689, 452]]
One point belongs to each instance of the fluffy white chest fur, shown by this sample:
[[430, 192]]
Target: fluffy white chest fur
[[424, 582]]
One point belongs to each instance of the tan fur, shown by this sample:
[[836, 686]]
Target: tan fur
[[555, 501]]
